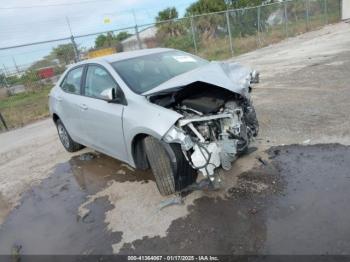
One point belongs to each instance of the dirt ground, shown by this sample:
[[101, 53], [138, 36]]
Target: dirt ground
[[102, 206]]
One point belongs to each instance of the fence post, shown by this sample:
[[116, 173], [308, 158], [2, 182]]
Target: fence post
[[5, 80], [325, 12], [307, 5], [5, 69], [229, 31], [193, 35], [259, 14], [285, 18], [75, 47], [138, 37], [3, 121]]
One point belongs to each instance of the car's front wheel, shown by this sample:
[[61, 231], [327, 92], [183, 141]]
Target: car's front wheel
[[69, 144], [169, 166]]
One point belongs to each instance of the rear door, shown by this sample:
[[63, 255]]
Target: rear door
[[102, 121], [68, 100]]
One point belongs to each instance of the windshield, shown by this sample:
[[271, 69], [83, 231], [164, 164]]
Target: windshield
[[144, 73]]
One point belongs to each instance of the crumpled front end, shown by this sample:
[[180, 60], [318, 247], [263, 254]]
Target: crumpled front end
[[210, 141], [218, 119]]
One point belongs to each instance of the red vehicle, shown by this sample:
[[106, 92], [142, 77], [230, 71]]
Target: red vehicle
[[46, 72]]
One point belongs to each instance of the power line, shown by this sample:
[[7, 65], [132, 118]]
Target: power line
[[49, 48], [51, 5], [62, 26], [67, 38], [74, 18], [61, 21], [36, 43]]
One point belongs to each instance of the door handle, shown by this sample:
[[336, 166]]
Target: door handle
[[83, 107], [59, 99]]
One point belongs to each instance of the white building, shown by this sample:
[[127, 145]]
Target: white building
[[131, 43]]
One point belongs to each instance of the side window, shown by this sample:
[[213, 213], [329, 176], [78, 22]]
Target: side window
[[98, 81], [72, 81]]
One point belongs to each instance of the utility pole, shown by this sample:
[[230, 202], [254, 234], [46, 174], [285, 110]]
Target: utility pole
[[69, 27], [16, 66], [137, 30], [75, 47]]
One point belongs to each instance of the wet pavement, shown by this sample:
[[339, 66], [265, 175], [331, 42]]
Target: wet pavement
[[295, 202], [47, 221]]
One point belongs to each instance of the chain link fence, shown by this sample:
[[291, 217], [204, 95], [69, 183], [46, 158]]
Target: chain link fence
[[215, 36]]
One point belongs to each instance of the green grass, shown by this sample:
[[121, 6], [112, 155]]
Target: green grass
[[24, 108], [219, 48]]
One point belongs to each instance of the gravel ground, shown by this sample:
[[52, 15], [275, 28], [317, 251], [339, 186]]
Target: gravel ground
[[302, 99], [304, 90]]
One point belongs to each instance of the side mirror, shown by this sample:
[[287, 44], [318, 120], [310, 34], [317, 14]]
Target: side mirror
[[109, 94]]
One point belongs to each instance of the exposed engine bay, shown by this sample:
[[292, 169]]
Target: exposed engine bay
[[216, 127]]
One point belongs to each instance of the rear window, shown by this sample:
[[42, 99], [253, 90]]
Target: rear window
[[72, 81]]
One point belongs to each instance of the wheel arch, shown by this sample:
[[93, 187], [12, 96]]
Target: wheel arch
[[55, 117], [138, 153]]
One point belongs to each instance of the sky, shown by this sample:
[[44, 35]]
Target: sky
[[26, 21]]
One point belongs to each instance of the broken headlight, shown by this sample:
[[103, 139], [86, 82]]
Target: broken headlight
[[176, 135]]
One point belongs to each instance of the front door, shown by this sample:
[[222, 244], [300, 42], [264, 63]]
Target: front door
[[101, 121]]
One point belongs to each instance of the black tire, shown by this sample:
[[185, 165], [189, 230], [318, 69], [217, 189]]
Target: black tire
[[249, 120], [252, 121], [169, 166], [243, 145], [68, 143]]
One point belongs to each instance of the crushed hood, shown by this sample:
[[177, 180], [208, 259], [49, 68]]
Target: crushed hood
[[231, 76]]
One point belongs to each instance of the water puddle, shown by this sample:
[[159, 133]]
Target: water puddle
[[47, 221]]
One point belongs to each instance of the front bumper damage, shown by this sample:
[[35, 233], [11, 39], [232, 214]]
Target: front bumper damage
[[219, 120], [206, 156]]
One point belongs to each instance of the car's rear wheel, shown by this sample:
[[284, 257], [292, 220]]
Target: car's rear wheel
[[169, 166], [69, 144]]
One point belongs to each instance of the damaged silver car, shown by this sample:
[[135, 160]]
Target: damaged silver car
[[163, 109]]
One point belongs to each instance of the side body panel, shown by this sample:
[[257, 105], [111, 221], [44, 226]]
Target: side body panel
[[102, 127], [66, 106], [143, 117]]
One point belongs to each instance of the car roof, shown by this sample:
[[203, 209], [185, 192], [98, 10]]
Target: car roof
[[125, 55]]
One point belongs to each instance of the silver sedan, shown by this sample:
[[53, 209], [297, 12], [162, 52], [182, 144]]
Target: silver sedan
[[163, 109]]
